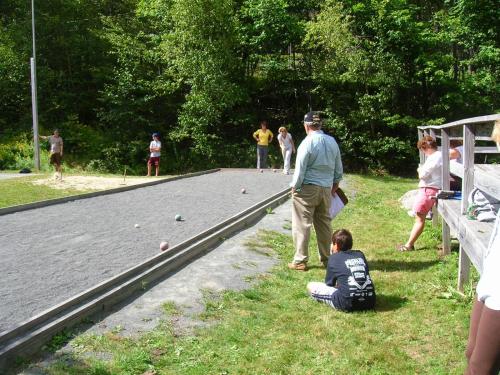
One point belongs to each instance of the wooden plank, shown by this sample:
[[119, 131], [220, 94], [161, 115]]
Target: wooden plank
[[445, 169], [486, 150], [479, 150], [449, 209], [463, 268], [471, 121], [420, 152], [473, 235], [445, 231], [435, 217], [445, 177], [468, 158], [487, 179]]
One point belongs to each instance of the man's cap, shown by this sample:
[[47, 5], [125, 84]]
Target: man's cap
[[312, 118], [156, 135]]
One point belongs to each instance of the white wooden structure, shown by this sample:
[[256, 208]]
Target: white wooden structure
[[472, 235]]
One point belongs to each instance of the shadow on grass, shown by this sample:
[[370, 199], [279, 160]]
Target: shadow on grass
[[396, 265], [389, 302], [63, 363]]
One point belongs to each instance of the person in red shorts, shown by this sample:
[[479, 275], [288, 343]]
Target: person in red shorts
[[155, 152], [430, 182], [56, 152]]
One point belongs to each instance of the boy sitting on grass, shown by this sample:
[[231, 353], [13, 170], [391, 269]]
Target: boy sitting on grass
[[348, 286]]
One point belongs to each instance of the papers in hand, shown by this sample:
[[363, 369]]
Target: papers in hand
[[339, 200]]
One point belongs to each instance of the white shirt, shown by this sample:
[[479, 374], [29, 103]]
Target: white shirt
[[285, 141], [488, 288], [430, 172], [55, 144], [155, 144]]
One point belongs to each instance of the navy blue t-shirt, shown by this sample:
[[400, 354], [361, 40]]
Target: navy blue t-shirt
[[348, 272]]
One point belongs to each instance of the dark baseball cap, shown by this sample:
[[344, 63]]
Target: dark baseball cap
[[312, 117], [157, 135]]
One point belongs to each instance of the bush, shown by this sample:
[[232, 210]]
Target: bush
[[18, 153]]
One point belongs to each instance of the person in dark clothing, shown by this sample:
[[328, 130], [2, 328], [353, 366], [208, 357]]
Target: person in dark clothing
[[348, 285]]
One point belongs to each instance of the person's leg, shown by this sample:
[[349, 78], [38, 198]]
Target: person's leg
[[321, 292], [302, 218], [258, 156], [263, 162], [283, 153], [485, 357], [157, 169], [423, 204], [287, 157], [59, 165], [149, 167], [475, 316], [416, 231], [52, 161], [322, 224]]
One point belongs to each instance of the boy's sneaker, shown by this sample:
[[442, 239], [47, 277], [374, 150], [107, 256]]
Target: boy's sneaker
[[297, 266]]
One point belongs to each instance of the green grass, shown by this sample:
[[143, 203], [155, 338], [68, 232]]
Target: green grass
[[419, 325], [16, 191]]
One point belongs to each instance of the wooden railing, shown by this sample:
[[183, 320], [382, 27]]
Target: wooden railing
[[473, 236]]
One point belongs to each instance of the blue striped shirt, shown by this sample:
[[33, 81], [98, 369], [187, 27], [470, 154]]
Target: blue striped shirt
[[318, 161]]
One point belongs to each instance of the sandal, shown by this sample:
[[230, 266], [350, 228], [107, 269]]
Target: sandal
[[405, 248]]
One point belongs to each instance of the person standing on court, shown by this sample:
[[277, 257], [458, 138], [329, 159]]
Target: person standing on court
[[263, 136], [56, 152], [155, 152], [318, 171], [287, 147]]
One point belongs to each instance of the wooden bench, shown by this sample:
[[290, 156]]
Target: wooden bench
[[472, 235]]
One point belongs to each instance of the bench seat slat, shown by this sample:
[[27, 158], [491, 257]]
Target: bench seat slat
[[473, 235]]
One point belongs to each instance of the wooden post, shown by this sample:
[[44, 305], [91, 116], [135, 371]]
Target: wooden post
[[468, 158], [426, 132], [463, 269], [420, 152], [432, 133], [435, 215], [445, 177]]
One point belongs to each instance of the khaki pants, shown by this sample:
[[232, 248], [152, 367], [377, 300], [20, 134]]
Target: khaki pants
[[310, 206]]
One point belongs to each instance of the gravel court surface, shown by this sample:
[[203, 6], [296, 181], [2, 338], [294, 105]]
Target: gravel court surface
[[52, 253]]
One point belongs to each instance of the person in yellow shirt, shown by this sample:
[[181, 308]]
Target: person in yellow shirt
[[263, 136]]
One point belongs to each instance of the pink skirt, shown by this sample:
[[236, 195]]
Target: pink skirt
[[424, 200]]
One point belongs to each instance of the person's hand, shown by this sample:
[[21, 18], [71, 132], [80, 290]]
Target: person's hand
[[334, 189]]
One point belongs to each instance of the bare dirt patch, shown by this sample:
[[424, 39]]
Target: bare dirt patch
[[85, 183]]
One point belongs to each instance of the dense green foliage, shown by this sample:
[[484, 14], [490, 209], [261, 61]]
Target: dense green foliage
[[203, 73]]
